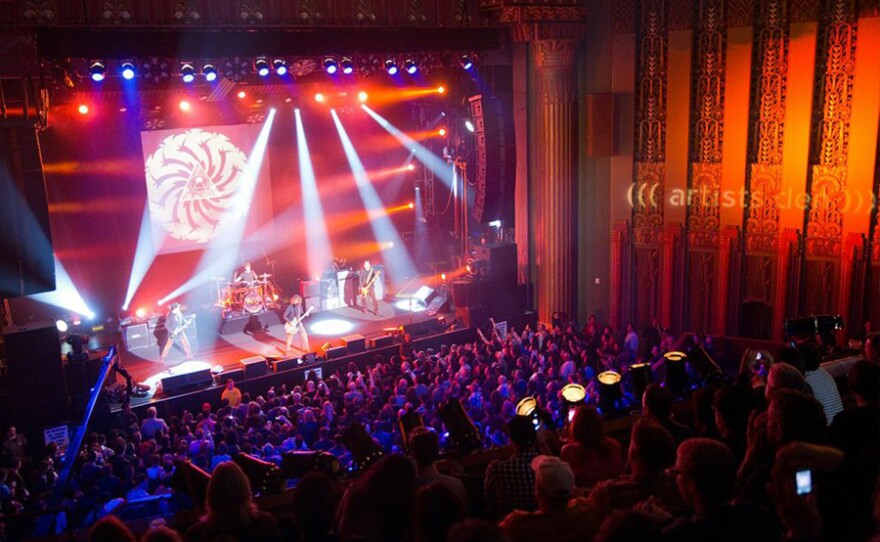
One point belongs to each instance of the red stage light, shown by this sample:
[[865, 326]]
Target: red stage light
[[441, 90], [320, 98], [442, 131], [443, 276], [185, 105], [242, 94], [83, 109], [141, 312], [412, 205], [362, 96], [411, 167]]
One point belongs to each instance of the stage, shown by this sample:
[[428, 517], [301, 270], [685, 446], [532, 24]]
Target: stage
[[263, 335]]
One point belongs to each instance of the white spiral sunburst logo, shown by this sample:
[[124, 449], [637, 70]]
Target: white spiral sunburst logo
[[192, 183]]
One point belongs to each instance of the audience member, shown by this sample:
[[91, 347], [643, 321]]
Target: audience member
[[153, 423], [705, 472], [657, 406], [592, 455], [822, 384], [231, 394], [425, 450], [110, 529], [437, 510], [380, 504], [510, 483], [651, 452], [231, 512], [855, 431], [314, 503], [555, 519]]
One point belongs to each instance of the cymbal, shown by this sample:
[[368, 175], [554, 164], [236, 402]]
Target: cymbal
[[220, 279], [265, 275]]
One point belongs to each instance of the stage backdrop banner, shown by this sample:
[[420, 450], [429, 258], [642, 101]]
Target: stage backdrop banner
[[199, 186]]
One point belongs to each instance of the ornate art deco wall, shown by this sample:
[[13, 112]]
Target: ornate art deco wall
[[794, 232]]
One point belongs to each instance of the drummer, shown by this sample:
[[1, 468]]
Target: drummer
[[247, 276]]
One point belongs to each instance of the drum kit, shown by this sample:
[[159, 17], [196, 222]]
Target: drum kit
[[247, 297]]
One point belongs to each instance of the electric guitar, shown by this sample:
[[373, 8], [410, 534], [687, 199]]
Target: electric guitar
[[290, 327], [186, 323], [365, 289]]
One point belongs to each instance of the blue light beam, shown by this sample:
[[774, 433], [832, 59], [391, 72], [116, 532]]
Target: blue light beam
[[433, 162], [317, 239], [398, 263]]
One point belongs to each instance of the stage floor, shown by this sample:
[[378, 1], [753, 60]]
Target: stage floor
[[223, 351]]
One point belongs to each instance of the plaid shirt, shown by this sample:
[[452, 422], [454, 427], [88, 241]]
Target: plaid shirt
[[510, 485]]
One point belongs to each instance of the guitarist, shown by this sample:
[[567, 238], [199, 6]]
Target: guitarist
[[293, 314], [176, 325], [368, 288]]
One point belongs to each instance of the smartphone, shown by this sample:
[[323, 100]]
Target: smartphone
[[803, 482], [570, 415]]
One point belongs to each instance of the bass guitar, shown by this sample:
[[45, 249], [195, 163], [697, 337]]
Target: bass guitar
[[186, 323], [365, 289], [290, 327]]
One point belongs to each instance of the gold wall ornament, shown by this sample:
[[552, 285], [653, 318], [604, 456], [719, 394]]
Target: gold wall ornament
[[829, 134], [767, 100]]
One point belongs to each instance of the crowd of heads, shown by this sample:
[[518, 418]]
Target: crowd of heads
[[737, 456]]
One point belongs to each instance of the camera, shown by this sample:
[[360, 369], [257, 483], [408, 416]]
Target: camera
[[803, 482]]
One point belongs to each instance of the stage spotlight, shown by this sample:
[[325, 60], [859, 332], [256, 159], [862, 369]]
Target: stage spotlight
[[241, 95], [411, 167], [330, 65], [389, 245], [463, 435], [364, 451], [347, 66], [97, 71], [526, 406], [411, 67], [185, 106], [362, 96], [210, 72], [262, 67], [470, 126], [141, 312], [187, 72], [320, 98], [641, 377], [466, 62], [83, 109], [280, 66], [441, 90], [609, 391], [265, 478], [676, 372], [127, 70], [441, 132], [391, 67], [298, 464], [61, 325]]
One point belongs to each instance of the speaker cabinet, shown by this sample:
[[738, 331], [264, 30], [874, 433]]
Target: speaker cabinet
[[495, 165], [472, 316], [254, 366], [284, 365], [187, 381], [26, 254], [310, 288], [137, 337], [333, 352], [382, 341], [35, 376], [355, 343], [499, 260]]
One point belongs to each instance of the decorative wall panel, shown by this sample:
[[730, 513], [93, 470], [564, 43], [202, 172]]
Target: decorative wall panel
[[829, 137], [766, 125]]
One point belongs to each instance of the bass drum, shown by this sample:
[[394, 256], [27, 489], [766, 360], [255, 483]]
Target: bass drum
[[253, 302]]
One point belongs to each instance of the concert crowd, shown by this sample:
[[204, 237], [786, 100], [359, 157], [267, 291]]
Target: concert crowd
[[776, 451]]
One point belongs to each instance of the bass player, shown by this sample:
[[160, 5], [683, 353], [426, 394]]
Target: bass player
[[176, 324], [293, 324], [368, 286]]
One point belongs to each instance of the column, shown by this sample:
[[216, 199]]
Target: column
[[555, 191]]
